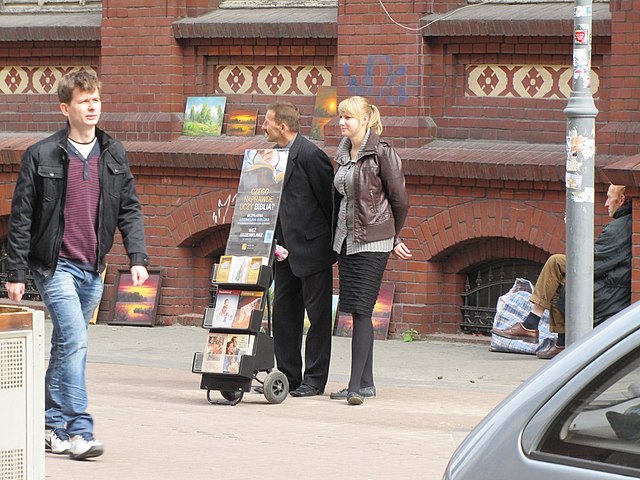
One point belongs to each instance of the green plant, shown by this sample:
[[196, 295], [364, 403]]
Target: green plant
[[410, 334]]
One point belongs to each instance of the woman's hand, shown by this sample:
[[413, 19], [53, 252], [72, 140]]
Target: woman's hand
[[401, 251]]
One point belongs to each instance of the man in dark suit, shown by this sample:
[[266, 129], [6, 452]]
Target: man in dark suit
[[305, 278]]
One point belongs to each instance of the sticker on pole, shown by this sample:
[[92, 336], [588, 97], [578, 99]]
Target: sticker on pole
[[586, 196], [573, 181], [582, 35], [582, 11]]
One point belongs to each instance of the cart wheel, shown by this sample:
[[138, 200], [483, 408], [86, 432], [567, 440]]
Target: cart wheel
[[232, 396], [276, 387]]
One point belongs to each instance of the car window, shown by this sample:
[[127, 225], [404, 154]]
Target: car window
[[601, 426]]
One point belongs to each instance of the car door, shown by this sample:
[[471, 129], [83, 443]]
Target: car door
[[590, 429]]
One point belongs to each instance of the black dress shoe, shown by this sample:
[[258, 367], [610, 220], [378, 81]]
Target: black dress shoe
[[305, 391]]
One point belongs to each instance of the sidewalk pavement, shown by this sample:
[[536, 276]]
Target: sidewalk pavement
[[157, 424]]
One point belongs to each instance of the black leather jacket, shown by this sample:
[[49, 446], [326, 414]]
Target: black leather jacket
[[37, 218], [382, 202]]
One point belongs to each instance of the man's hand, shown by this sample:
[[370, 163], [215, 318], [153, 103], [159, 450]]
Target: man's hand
[[139, 275], [15, 291], [402, 251]]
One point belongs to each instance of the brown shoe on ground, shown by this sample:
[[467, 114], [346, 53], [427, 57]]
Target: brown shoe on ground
[[550, 352], [517, 332]]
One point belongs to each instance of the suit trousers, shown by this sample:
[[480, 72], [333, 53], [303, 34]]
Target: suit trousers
[[545, 293], [292, 296]]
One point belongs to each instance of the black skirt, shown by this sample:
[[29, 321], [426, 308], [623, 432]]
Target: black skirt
[[360, 279]]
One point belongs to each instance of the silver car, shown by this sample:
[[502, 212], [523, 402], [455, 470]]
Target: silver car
[[576, 418]]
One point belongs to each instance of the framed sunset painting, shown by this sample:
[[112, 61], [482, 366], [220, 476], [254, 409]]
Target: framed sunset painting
[[242, 122], [324, 110], [380, 318], [136, 305]]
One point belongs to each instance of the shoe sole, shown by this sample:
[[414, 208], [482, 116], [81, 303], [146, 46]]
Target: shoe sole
[[547, 357], [343, 397], [513, 337], [295, 393], [91, 453], [63, 452], [355, 401]]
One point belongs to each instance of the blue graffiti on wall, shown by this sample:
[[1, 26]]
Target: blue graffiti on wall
[[394, 89]]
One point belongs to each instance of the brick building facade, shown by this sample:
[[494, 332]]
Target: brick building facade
[[472, 96]]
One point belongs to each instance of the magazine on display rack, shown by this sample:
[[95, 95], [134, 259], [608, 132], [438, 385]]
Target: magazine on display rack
[[223, 352], [233, 309]]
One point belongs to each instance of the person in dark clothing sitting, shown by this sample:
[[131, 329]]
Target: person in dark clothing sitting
[[612, 279]]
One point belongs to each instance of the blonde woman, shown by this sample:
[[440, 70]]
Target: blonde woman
[[372, 204]]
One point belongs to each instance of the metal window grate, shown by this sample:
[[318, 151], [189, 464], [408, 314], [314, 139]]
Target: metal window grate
[[12, 355], [485, 284], [12, 464]]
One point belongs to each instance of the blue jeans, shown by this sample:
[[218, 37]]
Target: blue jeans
[[71, 295]]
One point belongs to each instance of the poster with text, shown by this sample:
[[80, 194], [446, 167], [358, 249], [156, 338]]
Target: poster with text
[[257, 202]]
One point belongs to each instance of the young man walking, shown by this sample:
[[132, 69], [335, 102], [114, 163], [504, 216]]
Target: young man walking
[[74, 188]]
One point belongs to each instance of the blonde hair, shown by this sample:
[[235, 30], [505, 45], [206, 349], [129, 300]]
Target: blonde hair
[[358, 107]]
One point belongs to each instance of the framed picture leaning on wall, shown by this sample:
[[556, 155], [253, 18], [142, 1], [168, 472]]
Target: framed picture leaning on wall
[[135, 305]]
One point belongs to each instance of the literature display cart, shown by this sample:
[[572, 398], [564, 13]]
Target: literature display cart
[[238, 344]]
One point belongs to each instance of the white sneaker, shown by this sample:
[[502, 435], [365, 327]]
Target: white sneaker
[[56, 440], [85, 446]]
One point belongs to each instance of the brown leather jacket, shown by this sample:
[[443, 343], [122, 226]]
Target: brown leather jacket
[[379, 188]]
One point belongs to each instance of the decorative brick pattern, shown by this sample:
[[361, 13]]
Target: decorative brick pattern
[[271, 79], [34, 80], [523, 81]]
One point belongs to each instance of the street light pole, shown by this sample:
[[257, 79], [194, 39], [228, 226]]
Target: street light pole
[[581, 115]]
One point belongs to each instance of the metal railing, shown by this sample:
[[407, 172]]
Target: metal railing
[[485, 285]]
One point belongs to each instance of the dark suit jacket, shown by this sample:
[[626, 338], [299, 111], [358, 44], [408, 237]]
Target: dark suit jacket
[[304, 218]]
